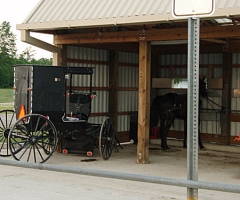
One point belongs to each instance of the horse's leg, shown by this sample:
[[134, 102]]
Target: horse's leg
[[165, 126], [163, 133], [185, 134]]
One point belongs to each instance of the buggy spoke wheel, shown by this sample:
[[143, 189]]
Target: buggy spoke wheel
[[106, 138], [7, 118], [33, 138]]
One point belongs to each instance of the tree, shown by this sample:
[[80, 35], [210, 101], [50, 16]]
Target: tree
[[7, 54], [28, 54], [7, 40], [42, 61]]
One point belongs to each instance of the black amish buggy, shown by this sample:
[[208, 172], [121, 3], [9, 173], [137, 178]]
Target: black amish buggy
[[52, 113]]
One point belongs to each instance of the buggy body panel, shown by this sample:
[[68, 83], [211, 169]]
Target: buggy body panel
[[47, 90]]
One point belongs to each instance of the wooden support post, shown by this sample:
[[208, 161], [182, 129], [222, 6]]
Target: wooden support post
[[226, 98], [64, 55], [113, 87], [144, 101], [57, 56]]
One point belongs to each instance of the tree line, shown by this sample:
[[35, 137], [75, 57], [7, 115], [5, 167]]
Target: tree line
[[9, 56]]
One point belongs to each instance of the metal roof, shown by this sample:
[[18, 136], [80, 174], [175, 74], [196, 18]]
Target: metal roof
[[60, 14]]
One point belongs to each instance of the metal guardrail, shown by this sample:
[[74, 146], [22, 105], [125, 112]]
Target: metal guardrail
[[126, 176]]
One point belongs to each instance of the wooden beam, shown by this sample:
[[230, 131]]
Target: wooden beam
[[226, 98], [232, 47], [64, 55], [149, 35], [144, 101], [216, 41], [235, 117], [113, 87]]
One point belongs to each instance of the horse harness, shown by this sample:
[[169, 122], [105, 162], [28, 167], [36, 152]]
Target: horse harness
[[176, 106]]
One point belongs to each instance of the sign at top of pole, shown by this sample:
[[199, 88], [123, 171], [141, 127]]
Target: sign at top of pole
[[192, 8]]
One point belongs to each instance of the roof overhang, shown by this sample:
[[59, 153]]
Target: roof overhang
[[49, 15], [91, 22]]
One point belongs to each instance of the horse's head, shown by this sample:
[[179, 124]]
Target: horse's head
[[202, 88]]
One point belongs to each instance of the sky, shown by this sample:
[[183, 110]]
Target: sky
[[15, 12]]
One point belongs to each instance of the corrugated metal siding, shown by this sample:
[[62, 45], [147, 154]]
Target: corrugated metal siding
[[212, 125], [126, 57], [123, 123], [86, 53], [174, 59], [72, 13], [128, 78], [100, 77], [208, 59], [235, 126], [127, 101], [181, 59]]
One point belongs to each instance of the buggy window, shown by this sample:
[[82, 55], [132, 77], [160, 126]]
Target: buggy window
[[80, 105]]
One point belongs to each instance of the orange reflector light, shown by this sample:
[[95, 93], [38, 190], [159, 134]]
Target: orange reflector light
[[22, 112], [89, 153], [65, 151], [46, 124]]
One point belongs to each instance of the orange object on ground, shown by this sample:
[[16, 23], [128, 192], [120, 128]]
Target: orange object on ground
[[237, 138]]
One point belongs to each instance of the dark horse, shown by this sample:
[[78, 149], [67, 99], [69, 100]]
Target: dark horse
[[170, 106]]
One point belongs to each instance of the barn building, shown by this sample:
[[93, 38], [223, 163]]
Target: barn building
[[138, 49]]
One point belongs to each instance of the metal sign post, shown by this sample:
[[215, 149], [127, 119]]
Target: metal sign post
[[193, 99], [193, 9]]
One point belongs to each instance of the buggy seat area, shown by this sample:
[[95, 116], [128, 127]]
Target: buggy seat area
[[79, 106]]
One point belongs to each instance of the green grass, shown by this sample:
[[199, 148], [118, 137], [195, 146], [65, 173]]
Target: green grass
[[6, 96]]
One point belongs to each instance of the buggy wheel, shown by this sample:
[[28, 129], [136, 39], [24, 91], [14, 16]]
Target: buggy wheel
[[106, 138], [7, 118], [33, 138]]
